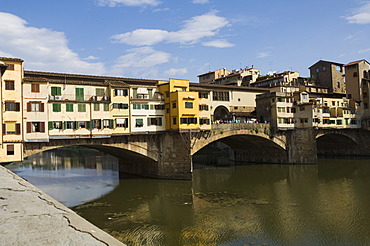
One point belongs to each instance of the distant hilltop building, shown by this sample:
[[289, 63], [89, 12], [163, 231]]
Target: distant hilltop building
[[237, 77]]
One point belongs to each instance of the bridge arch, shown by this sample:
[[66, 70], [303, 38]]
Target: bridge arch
[[335, 144], [248, 145]]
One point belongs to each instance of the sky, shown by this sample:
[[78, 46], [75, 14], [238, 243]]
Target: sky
[[162, 39]]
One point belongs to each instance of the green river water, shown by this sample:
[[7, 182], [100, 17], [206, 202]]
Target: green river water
[[261, 204]]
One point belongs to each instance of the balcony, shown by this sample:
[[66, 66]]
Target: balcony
[[79, 98]]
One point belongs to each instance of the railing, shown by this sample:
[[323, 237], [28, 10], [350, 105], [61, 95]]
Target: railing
[[240, 126]]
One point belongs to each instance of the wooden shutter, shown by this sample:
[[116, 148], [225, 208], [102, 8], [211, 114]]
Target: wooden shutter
[[28, 107], [42, 126], [17, 107], [29, 127], [18, 129], [4, 129]]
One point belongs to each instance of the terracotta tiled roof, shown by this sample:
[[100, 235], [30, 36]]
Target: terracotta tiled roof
[[355, 62]]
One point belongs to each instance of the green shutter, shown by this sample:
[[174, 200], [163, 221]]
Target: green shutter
[[69, 107], [57, 107], [64, 125], [111, 124], [148, 124], [79, 94], [51, 125], [92, 123], [76, 125], [150, 93], [88, 125], [106, 107], [134, 92], [159, 121]]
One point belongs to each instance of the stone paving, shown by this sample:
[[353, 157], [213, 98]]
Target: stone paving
[[30, 217]]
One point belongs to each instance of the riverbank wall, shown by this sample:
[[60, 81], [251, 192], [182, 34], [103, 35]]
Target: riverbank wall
[[30, 217]]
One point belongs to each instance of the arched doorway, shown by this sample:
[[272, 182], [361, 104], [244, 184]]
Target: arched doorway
[[222, 113]]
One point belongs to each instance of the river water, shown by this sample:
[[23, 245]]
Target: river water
[[264, 204]]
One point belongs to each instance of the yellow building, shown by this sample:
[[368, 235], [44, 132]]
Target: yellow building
[[181, 105], [11, 148]]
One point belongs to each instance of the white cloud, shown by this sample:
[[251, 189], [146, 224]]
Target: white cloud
[[193, 31], [175, 72], [364, 51], [220, 43], [141, 59], [115, 3], [200, 1], [263, 54], [161, 10], [91, 58], [360, 15], [41, 48]]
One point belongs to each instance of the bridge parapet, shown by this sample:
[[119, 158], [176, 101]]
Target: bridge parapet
[[241, 126]]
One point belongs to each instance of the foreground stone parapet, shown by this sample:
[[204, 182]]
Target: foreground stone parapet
[[30, 217]]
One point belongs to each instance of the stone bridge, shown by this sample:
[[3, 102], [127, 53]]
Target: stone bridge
[[169, 154]]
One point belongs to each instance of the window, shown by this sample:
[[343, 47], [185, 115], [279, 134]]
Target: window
[[174, 121], [134, 92], [100, 92], [338, 68], [139, 123], [353, 122], [323, 69], [107, 124], [122, 122], [96, 107], [188, 104], [56, 91], [355, 74], [159, 107], [70, 124], [106, 107], [82, 124], [120, 105], [188, 120], [281, 109], [203, 95], [56, 125], [81, 107], [79, 94], [339, 122], [9, 85], [35, 127], [69, 107], [136, 106], [11, 129], [96, 124], [145, 106], [221, 96], [173, 105], [204, 121], [10, 66], [301, 108], [35, 87], [35, 107], [57, 107], [12, 106], [10, 149], [120, 92], [150, 93], [155, 121], [205, 107]]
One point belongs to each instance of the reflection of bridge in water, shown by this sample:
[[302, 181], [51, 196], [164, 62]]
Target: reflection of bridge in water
[[169, 154]]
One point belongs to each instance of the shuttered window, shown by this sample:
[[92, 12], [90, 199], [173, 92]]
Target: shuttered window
[[79, 94], [35, 87], [56, 91]]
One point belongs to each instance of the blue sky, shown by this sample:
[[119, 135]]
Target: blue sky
[[161, 39]]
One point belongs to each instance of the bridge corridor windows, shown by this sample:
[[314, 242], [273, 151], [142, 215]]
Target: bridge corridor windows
[[139, 122], [35, 127], [155, 121], [12, 128], [122, 122], [204, 121], [188, 120]]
